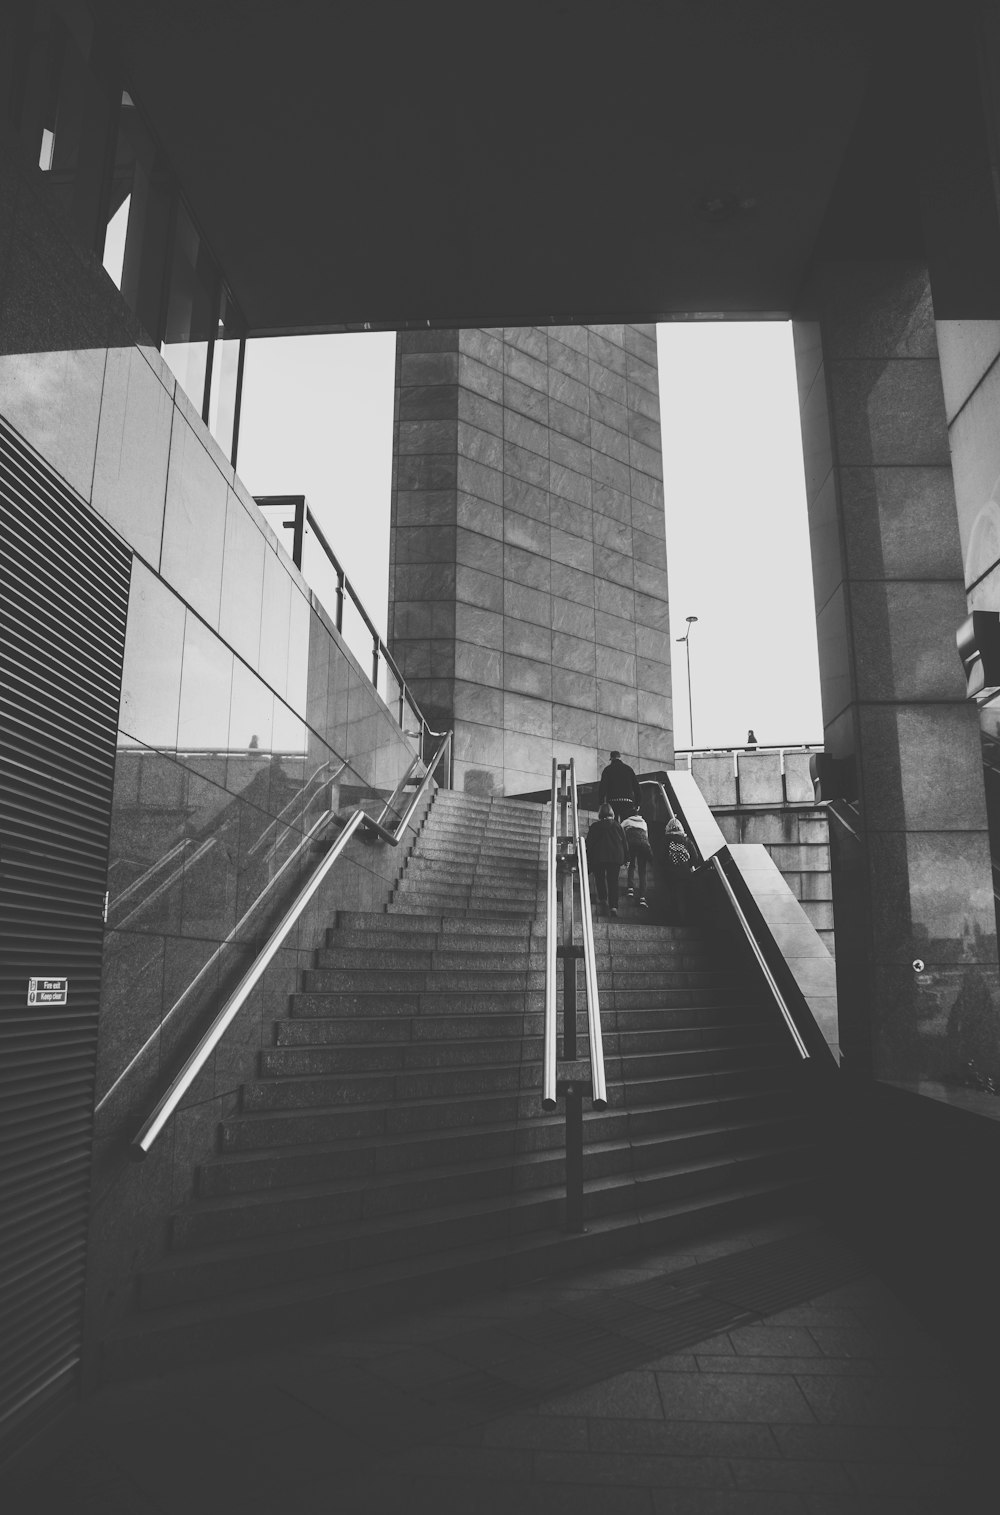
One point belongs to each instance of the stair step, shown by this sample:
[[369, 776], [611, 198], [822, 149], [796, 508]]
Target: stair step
[[403, 981], [255, 1320], [394, 1140], [231, 1267], [441, 1002], [443, 925], [685, 1029], [466, 1196], [516, 1150]]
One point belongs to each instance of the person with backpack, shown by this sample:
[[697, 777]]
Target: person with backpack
[[619, 788], [607, 849], [640, 854], [679, 864]]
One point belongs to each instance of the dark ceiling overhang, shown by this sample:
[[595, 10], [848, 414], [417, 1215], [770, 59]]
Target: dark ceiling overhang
[[459, 164]]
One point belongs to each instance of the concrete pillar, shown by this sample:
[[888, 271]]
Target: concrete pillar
[[528, 576], [916, 887]]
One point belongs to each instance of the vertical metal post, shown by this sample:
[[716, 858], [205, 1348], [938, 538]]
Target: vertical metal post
[[299, 530], [569, 958], [574, 1158], [375, 662], [402, 705], [341, 581]]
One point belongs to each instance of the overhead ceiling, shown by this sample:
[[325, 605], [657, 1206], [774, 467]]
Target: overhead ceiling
[[457, 164]]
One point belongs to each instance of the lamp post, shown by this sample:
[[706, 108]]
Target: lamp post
[[686, 639]]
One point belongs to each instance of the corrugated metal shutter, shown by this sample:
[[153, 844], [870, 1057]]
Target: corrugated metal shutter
[[63, 601]]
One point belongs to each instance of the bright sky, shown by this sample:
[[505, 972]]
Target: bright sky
[[317, 420], [737, 534]]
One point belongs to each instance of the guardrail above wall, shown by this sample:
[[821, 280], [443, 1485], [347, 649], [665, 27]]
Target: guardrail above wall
[[385, 674], [753, 775]]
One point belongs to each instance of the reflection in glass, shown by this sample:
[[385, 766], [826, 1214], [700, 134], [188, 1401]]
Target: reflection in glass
[[357, 636], [206, 687], [298, 651], [251, 716], [192, 310], [154, 649]]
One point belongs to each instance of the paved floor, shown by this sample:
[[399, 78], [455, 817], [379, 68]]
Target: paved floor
[[766, 1371]]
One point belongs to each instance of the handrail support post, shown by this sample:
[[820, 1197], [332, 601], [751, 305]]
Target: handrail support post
[[574, 1159], [569, 960]]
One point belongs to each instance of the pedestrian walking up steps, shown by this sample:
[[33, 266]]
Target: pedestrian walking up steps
[[393, 1148]]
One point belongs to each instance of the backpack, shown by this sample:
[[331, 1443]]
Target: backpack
[[678, 853]]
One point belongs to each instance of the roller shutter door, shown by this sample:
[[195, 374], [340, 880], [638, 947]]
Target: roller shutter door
[[63, 601]]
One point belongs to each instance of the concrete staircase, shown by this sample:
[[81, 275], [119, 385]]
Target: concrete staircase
[[393, 1147]]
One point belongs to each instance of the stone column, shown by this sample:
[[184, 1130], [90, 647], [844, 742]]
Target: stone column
[[528, 576], [915, 888]]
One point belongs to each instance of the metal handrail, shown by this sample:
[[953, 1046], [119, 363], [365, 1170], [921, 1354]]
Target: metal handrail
[[444, 747], [304, 518], [207, 966], [714, 858], [755, 948], [549, 1029], [595, 1036], [152, 1127]]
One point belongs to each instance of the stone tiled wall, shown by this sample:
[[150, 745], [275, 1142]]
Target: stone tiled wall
[[528, 581], [914, 887], [798, 841]]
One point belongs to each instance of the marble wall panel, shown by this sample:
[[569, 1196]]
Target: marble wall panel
[[891, 525], [576, 410]]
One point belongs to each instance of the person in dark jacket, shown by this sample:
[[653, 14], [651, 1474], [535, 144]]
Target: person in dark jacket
[[619, 788], [607, 849]]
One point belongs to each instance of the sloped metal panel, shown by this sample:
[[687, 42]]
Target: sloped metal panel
[[63, 601]]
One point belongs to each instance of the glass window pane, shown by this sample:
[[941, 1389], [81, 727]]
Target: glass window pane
[[192, 309], [135, 243], [225, 374]]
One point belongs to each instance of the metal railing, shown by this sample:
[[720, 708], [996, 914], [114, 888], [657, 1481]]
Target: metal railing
[[303, 524], [682, 798], [567, 862], [774, 750], [152, 1127]]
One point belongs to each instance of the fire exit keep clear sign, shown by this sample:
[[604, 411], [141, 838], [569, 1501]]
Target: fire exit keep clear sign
[[48, 991]]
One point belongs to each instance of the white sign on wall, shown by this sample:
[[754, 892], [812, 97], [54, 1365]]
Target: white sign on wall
[[48, 991]]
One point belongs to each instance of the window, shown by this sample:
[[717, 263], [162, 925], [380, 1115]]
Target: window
[[138, 228], [226, 376], [192, 310]]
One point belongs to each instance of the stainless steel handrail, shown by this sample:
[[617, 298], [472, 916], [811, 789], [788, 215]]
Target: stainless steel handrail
[[207, 966], [407, 776], [549, 1027], [152, 1127], [595, 1037], [751, 937], [445, 746]]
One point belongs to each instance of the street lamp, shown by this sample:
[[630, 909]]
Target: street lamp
[[686, 639]]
